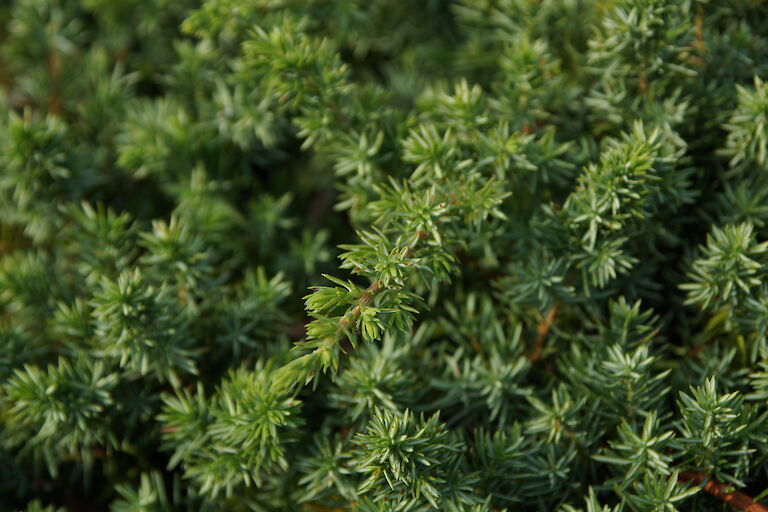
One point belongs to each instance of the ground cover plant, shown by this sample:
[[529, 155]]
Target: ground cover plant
[[383, 255]]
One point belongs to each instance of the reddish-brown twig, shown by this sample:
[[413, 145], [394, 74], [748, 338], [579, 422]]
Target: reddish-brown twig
[[541, 334], [737, 500]]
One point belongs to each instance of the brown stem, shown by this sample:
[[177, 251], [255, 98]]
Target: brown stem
[[698, 22], [349, 319], [54, 71], [643, 84], [364, 300], [316, 506], [737, 500], [699, 45], [541, 333]]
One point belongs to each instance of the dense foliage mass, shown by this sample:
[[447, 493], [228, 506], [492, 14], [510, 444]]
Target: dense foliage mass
[[551, 224]]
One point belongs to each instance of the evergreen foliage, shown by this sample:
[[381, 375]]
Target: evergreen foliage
[[551, 224]]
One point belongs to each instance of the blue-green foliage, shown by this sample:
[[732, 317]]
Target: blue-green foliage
[[552, 237]]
